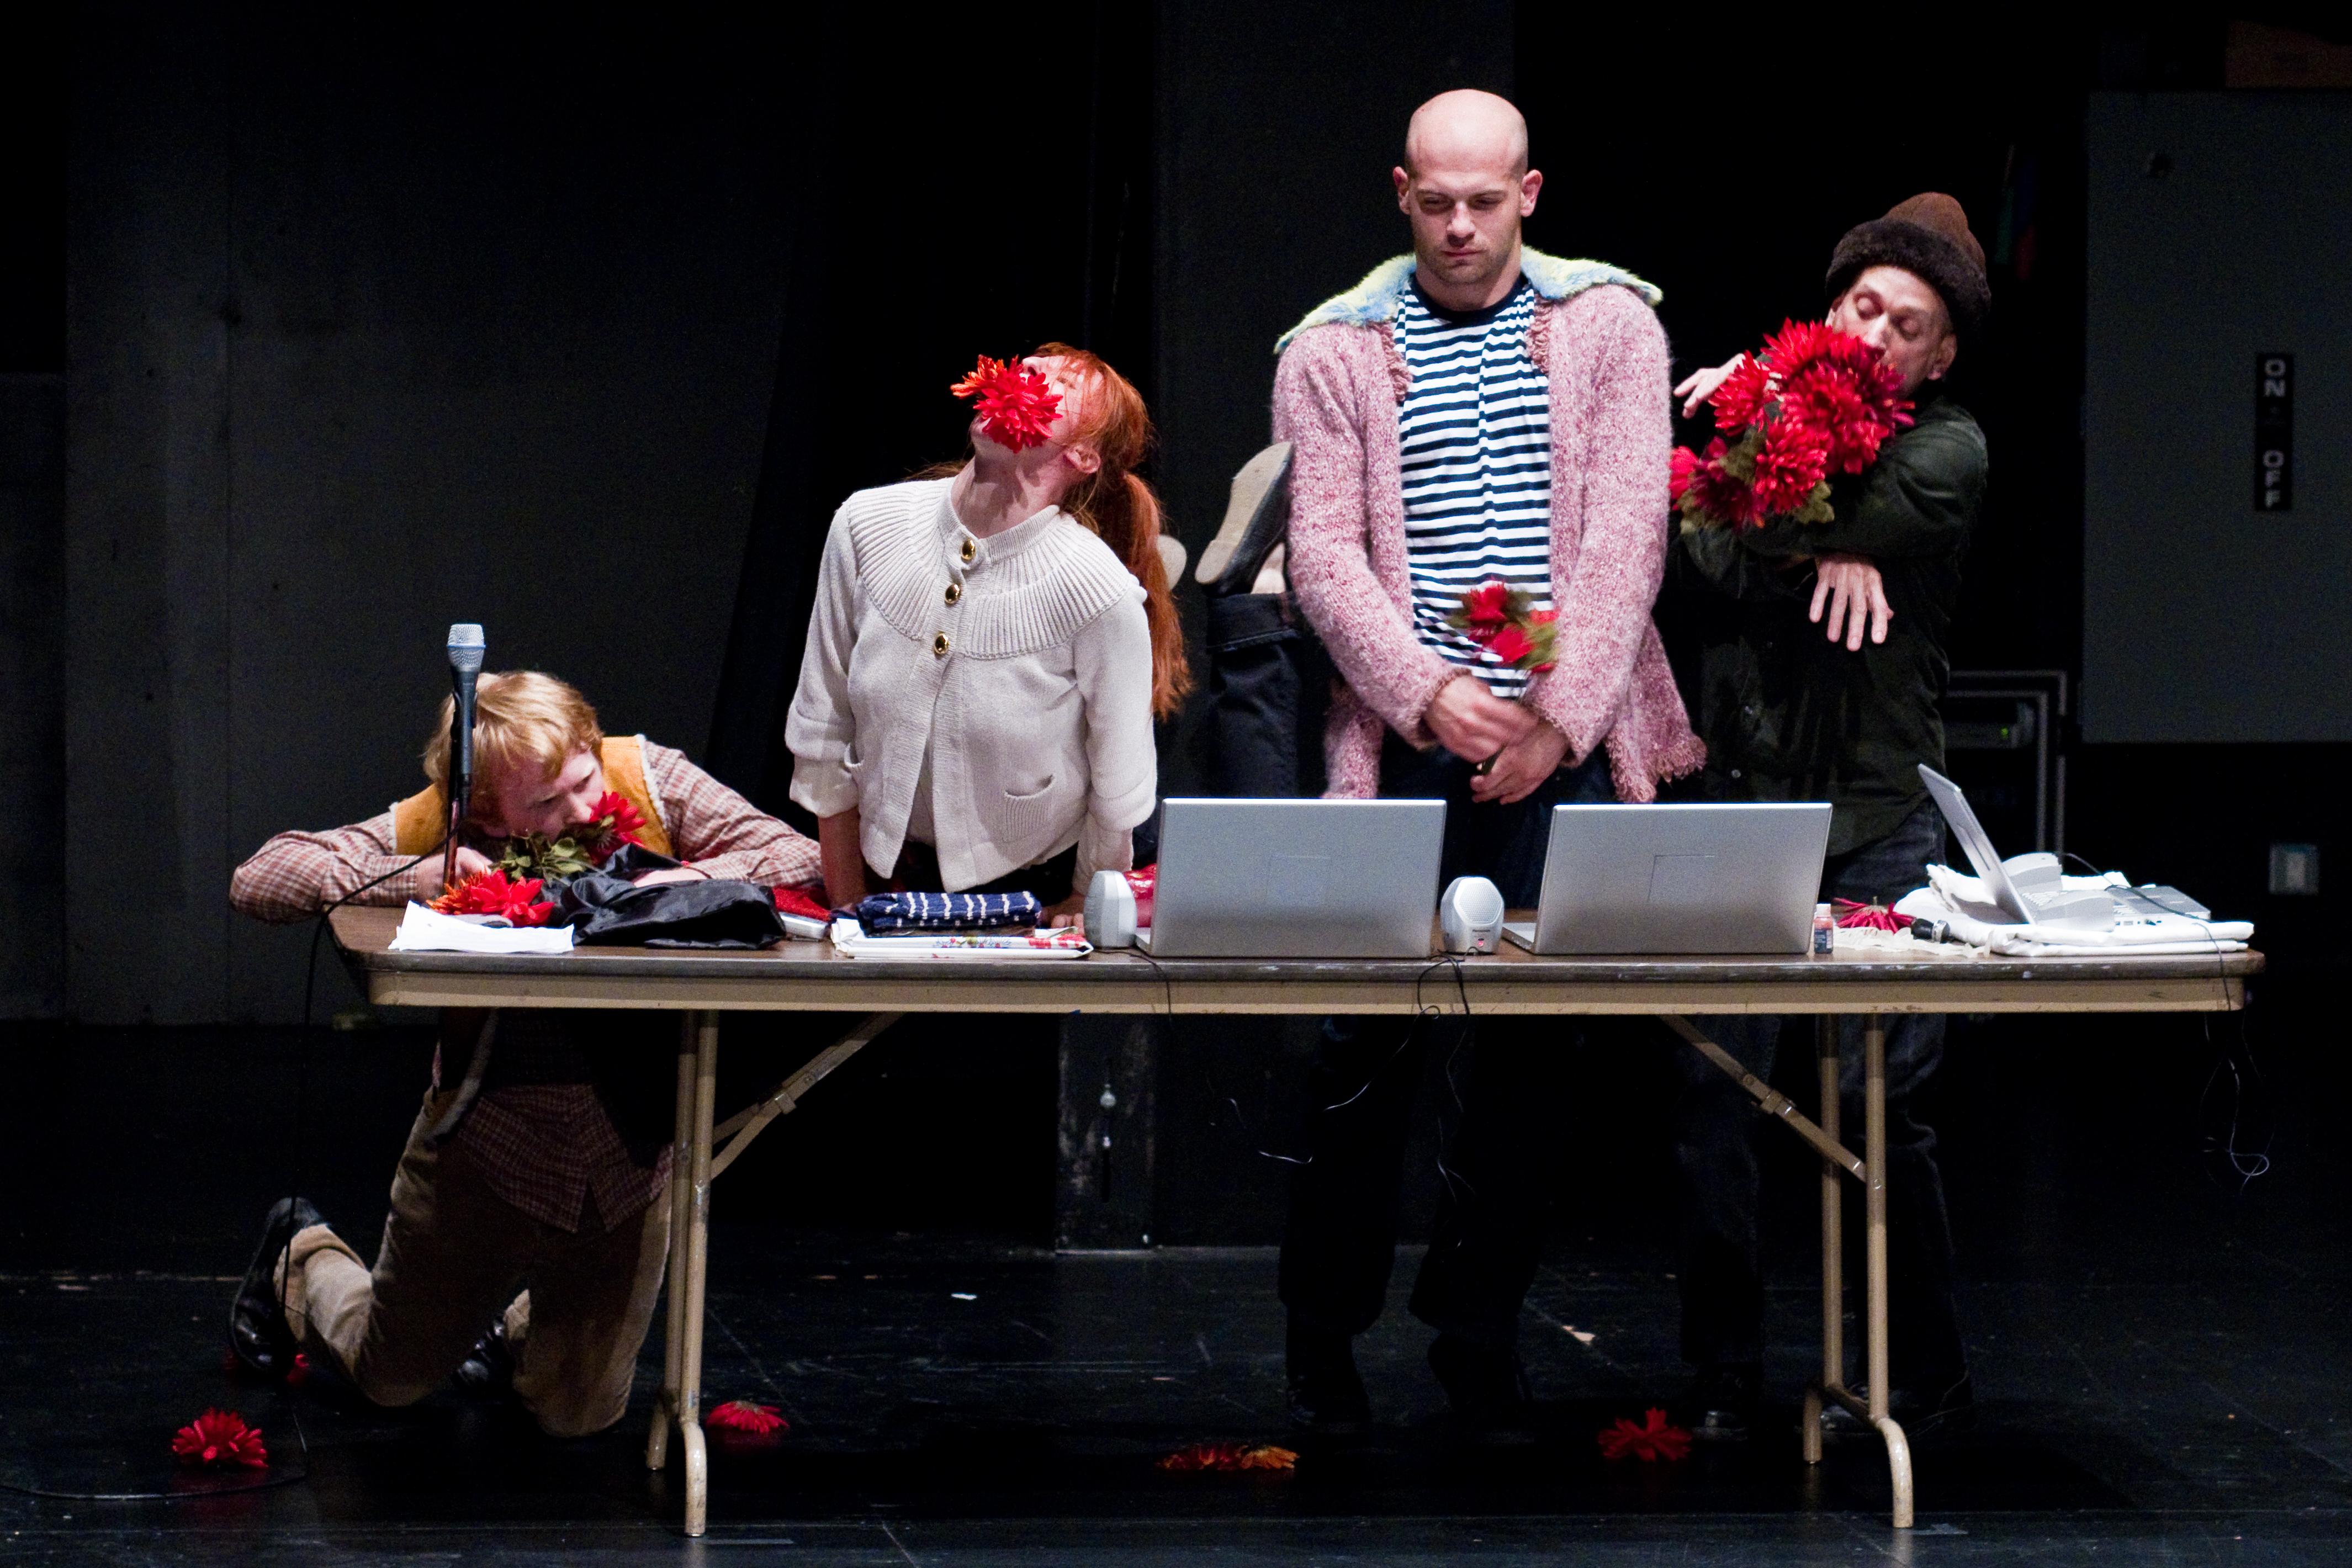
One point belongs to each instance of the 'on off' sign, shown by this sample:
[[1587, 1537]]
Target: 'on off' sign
[[2273, 432]]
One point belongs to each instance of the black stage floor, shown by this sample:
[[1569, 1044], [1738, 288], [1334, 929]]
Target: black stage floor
[[2165, 1364]]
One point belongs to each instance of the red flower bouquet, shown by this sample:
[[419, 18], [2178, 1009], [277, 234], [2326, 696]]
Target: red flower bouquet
[[217, 1438], [1015, 405], [582, 848], [491, 893], [1505, 621], [1814, 402]]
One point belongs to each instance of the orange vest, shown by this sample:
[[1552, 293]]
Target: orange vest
[[418, 822]]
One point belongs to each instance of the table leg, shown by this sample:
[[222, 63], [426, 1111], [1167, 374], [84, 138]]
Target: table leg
[[1825, 1059], [1873, 1202], [681, 1160], [697, 1254]]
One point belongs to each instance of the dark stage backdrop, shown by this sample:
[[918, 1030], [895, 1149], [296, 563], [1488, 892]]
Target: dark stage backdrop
[[371, 334]]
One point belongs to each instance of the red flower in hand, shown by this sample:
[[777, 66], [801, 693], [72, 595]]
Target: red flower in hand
[[1016, 407], [742, 1415], [1487, 609], [1654, 1441], [220, 1437], [490, 893], [1511, 645]]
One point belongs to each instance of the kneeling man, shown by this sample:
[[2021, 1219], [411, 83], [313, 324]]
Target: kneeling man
[[550, 1165]]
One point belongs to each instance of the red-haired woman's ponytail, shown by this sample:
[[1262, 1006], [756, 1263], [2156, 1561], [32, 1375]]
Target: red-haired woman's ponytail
[[1123, 512]]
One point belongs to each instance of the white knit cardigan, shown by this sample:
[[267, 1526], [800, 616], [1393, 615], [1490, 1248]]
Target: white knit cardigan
[[1022, 662]]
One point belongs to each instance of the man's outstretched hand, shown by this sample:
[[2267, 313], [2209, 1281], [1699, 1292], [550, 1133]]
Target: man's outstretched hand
[[1700, 384], [1471, 722], [1852, 589]]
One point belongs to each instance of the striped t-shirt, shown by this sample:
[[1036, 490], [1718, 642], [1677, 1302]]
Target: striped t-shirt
[[1477, 457]]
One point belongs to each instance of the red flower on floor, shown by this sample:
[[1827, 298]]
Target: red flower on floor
[[1654, 1440], [1016, 406], [299, 1373], [1230, 1457], [220, 1437], [742, 1415], [490, 893]]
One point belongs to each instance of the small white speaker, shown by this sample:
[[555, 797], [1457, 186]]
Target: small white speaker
[[1470, 916], [1110, 910]]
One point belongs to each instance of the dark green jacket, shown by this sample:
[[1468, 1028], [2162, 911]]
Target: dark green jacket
[[1786, 714]]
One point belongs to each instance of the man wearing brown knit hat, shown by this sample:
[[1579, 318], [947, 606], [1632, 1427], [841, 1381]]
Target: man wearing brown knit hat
[[1793, 710]]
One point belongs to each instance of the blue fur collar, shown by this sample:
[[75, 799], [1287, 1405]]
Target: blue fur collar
[[1375, 298]]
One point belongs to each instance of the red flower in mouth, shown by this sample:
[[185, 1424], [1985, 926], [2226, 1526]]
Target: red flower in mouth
[[1015, 405], [490, 893], [1654, 1441], [742, 1415], [219, 1437]]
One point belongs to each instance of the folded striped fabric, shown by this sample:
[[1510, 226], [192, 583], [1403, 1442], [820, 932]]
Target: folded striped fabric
[[881, 913]]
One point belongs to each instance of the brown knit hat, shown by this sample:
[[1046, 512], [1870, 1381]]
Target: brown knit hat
[[1927, 236]]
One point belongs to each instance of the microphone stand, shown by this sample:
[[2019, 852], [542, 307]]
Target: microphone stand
[[461, 779]]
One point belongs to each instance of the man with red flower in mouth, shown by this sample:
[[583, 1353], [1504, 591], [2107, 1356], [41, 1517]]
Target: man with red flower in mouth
[[551, 1158], [1844, 714], [1474, 412]]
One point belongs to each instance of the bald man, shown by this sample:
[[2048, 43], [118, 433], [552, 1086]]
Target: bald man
[[1474, 412]]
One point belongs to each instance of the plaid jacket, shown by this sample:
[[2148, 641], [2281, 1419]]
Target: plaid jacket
[[542, 1134]]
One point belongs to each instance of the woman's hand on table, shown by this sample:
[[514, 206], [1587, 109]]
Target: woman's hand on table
[[1070, 913]]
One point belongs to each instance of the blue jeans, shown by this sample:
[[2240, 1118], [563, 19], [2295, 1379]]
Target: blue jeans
[[1717, 1123], [1500, 1163]]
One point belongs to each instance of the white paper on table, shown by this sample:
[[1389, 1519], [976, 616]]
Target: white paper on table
[[2150, 934], [426, 931]]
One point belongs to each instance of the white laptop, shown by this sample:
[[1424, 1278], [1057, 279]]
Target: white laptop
[[1296, 878], [1679, 879]]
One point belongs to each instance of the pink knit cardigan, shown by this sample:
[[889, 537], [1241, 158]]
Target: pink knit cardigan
[[1336, 394]]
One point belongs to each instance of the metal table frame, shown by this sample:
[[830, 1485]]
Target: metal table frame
[[810, 977]]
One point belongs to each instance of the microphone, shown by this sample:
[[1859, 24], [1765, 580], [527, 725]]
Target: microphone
[[465, 650]]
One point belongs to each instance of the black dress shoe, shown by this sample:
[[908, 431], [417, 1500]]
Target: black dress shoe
[[1922, 1414], [487, 1370], [256, 1324], [1325, 1392], [1721, 1404], [1487, 1387]]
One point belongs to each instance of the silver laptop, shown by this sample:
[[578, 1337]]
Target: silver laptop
[[1679, 879], [1296, 878]]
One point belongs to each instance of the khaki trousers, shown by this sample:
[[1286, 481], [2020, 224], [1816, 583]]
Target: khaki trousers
[[454, 1253]]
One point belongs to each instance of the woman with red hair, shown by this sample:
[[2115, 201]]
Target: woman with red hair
[[990, 646]]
